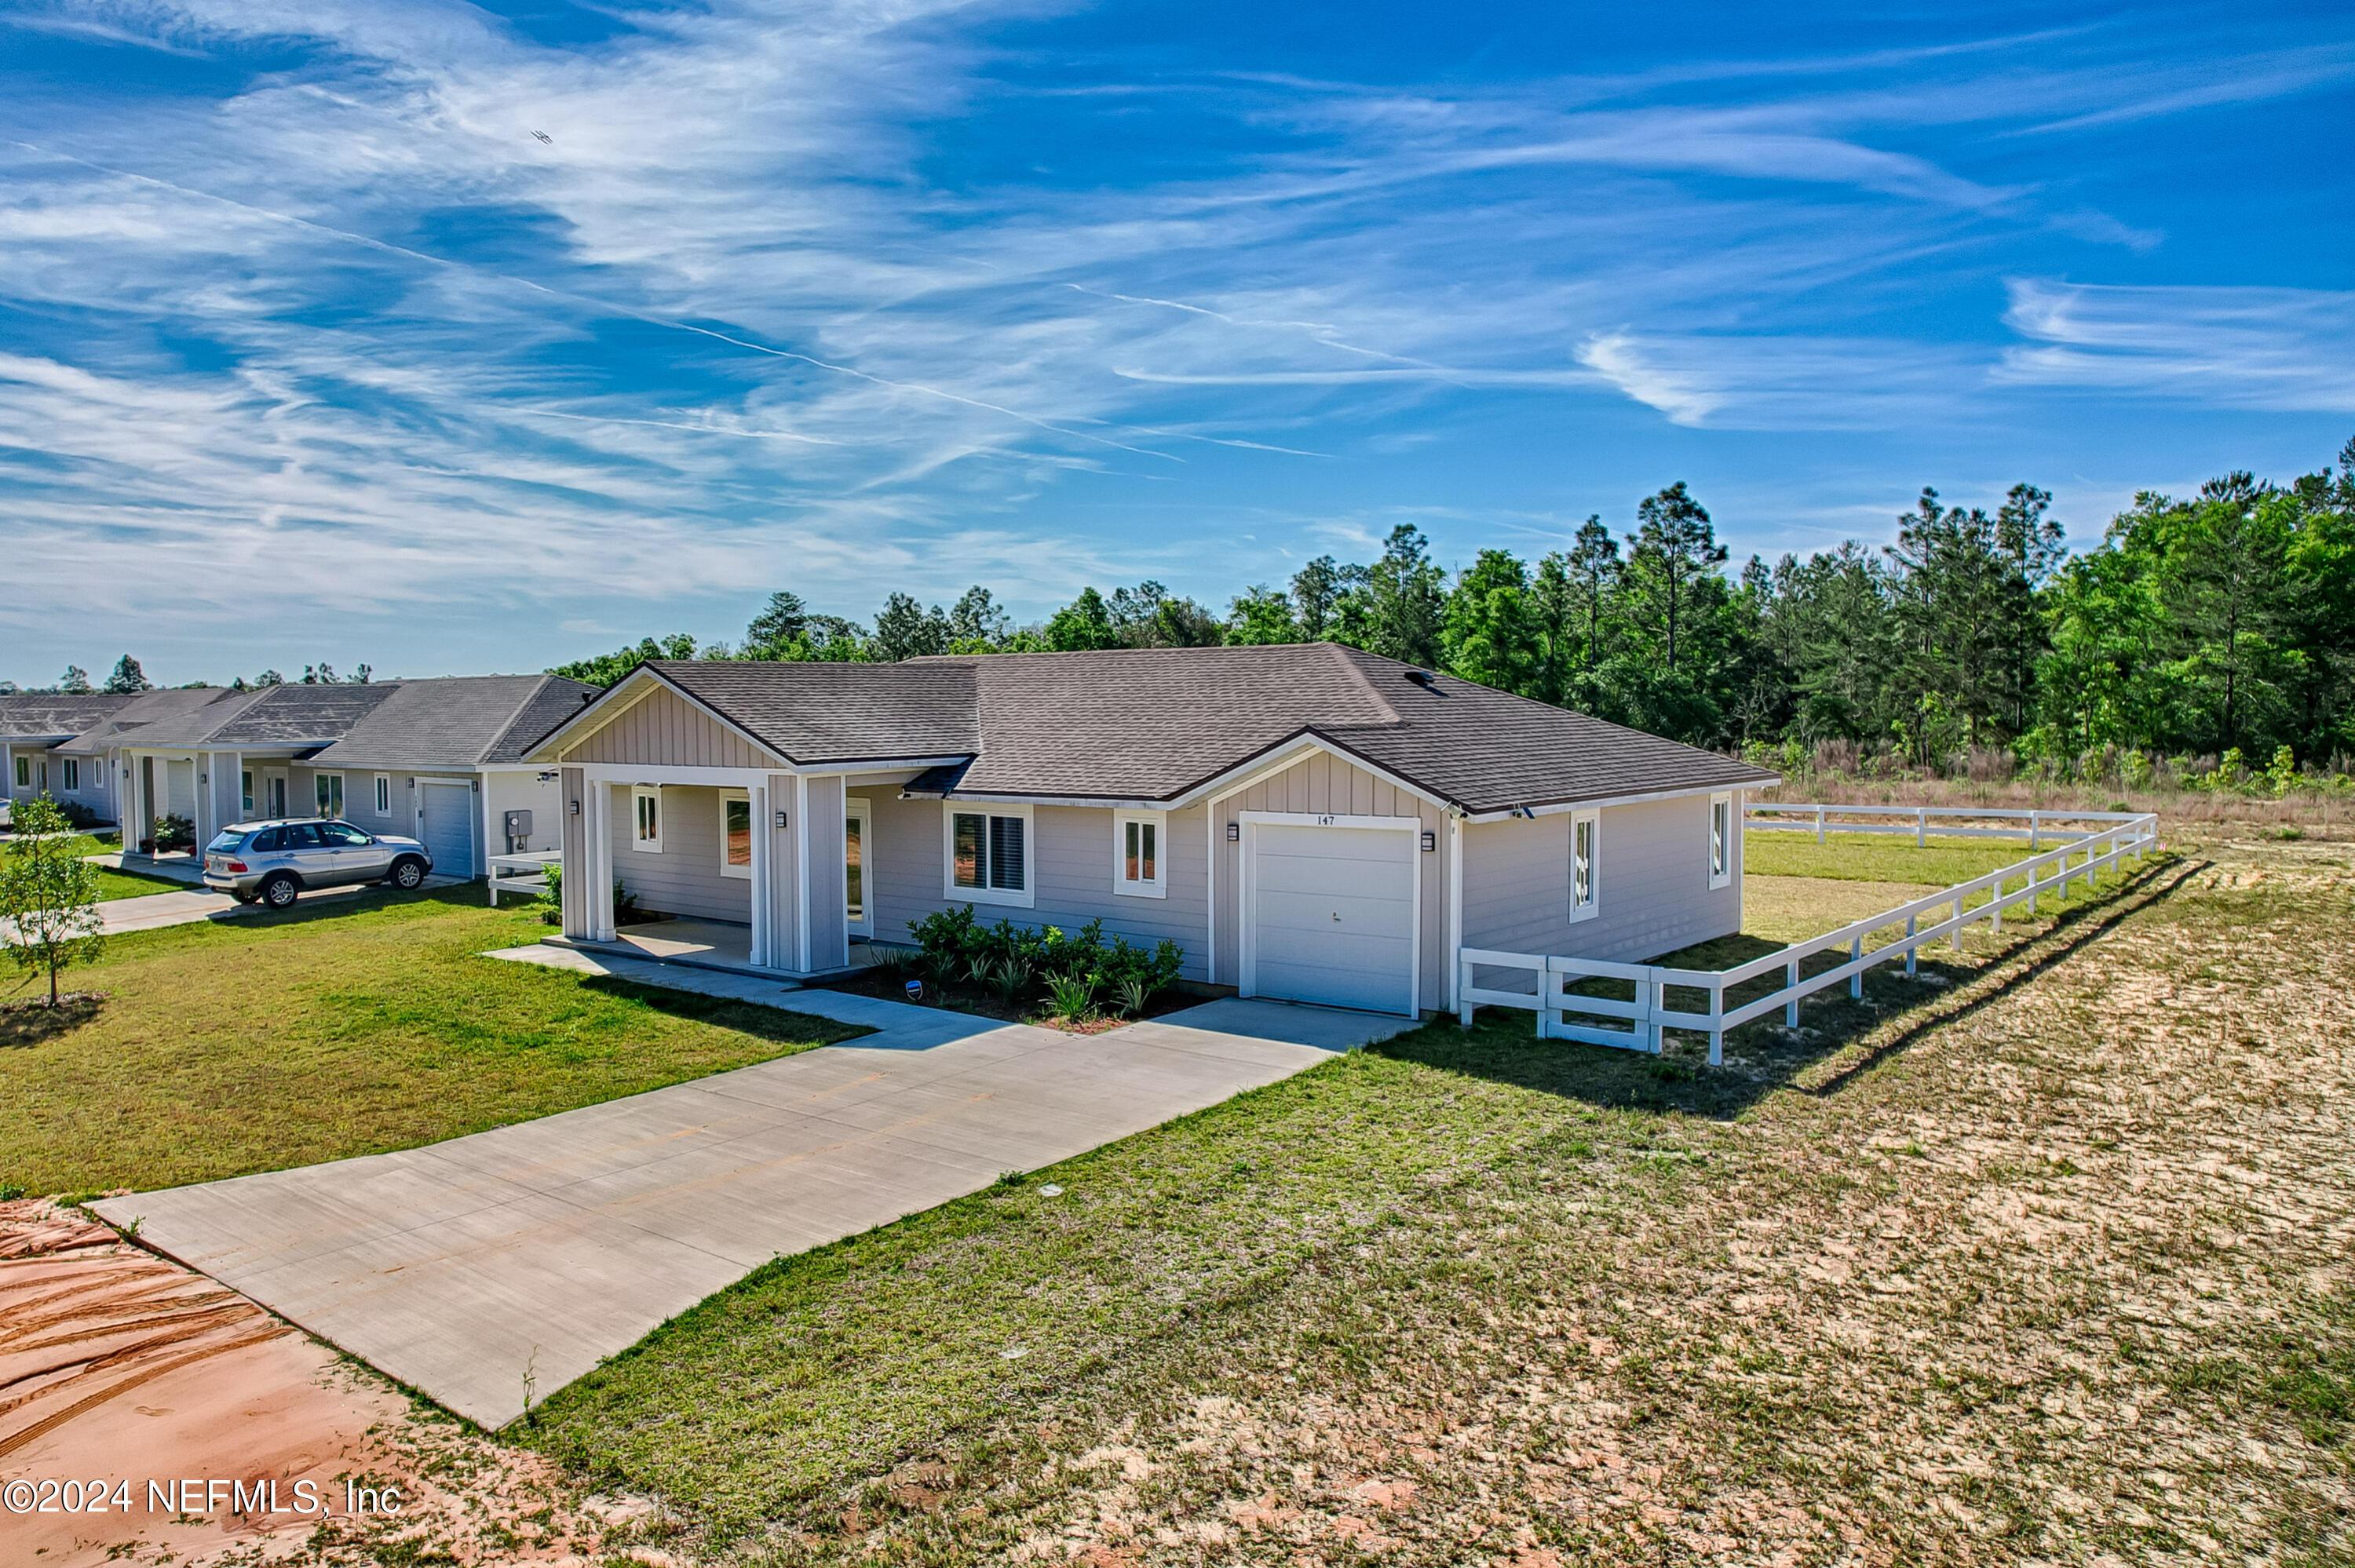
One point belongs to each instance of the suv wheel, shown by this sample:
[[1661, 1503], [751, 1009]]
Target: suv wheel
[[408, 874], [278, 891]]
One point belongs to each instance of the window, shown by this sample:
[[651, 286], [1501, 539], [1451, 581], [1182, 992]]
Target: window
[[1585, 839], [989, 858], [331, 794], [646, 812], [1720, 840], [245, 792], [301, 836], [735, 834], [1138, 839], [855, 815], [73, 773], [384, 794], [24, 773]]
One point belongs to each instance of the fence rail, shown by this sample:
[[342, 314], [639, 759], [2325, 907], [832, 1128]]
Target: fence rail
[[2040, 824], [1648, 1014], [527, 873]]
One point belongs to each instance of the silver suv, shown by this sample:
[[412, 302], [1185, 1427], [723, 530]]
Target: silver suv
[[270, 862]]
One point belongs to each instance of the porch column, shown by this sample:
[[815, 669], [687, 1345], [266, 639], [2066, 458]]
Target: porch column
[[829, 915], [601, 852], [761, 892], [777, 883]]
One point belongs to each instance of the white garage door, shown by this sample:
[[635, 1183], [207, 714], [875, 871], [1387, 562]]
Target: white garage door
[[449, 827], [1333, 915]]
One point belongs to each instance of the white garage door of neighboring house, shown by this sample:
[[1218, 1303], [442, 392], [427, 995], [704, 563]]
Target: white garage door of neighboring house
[[448, 830], [1332, 915]]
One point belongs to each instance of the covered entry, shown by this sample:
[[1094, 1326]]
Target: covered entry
[[1331, 910]]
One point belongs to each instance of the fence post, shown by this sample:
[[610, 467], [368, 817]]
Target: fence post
[[1921, 826], [1856, 980], [1659, 1005], [1994, 903], [1791, 1007], [2035, 832], [1958, 924], [1717, 1024], [1909, 947], [1551, 987], [1463, 984]]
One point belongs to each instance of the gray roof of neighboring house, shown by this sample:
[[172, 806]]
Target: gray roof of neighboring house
[[171, 705], [1151, 723], [463, 721], [56, 716]]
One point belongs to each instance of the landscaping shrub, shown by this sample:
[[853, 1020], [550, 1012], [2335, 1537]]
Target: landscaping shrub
[[174, 833], [1011, 959]]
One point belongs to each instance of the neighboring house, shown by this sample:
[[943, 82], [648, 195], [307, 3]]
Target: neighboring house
[[437, 760], [1308, 821], [35, 726]]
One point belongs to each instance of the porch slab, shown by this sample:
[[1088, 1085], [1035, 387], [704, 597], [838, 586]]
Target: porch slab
[[544, 1247]]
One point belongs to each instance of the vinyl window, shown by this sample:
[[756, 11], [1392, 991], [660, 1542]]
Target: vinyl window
[[1139, 842], [245, 792], [1720, 840], [24, 773], [989, 857], [330, 789], [384, 794], [857, 841], [735, 833], [73, 773], [1585, 862], [645, 817]]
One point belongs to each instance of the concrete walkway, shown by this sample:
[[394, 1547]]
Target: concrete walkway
[[550, 1244]]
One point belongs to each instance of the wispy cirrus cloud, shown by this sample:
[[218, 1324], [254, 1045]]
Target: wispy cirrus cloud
[[2290, 349]]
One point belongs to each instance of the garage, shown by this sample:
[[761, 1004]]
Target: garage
[[446, 826], [1331, 912]]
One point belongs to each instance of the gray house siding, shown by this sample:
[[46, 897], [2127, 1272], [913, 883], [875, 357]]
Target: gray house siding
[[661, 729], [684, 876], [1652, 891], [1323, 784]]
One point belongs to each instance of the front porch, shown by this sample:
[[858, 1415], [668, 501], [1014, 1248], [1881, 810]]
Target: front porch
[[701, 944]]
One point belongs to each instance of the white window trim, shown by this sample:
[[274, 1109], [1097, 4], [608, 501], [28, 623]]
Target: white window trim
[[24, 773], [1157, 884], [742, 873], [245, 792], [1720, 846], [637, 793], [1026, 899], [70, 769], [863, 808], [342, 793], [1593, 904], [384, 795]]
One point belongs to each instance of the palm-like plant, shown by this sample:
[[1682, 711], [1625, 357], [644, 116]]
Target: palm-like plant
[[1010, 978], [1128, 998], [1071, 997]]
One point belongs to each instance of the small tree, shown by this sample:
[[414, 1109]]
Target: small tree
[[49, 894]]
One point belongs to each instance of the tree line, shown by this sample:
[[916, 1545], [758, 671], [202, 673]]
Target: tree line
[[129, 677], [2200, 624]]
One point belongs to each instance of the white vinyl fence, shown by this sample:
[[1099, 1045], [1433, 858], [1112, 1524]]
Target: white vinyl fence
[[525, 874], [1648, 1013]]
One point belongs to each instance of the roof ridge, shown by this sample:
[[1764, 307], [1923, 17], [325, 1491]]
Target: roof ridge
[[1341, 652], [533, 686]]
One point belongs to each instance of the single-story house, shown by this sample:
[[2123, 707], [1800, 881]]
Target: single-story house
[[438, 761], [35, 726], [1308, 821]]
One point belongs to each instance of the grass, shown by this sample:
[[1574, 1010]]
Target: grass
[[1908, 1296], [1876, 857], [112, 884], [322, 1032]]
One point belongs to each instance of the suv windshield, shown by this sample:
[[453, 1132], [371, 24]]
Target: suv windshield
[[226, 840]]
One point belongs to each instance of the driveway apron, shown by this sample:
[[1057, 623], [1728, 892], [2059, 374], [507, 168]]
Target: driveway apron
[[514, 1260]]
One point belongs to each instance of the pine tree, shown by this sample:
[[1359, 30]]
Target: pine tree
[[128, 677]]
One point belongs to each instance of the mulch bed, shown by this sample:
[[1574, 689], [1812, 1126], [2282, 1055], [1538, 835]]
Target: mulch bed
[[958, 998]]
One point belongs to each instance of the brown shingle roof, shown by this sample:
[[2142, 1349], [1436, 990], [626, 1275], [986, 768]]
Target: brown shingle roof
[[1151, 724]]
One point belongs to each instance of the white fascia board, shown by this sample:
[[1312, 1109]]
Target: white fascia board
[[1511, 812], [1104, 803]]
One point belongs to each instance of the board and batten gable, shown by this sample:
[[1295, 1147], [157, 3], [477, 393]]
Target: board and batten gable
[[1322, 784], [1652, 891], [663, 729]]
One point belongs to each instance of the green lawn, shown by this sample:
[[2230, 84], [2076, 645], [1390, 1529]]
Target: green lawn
[[1876, 857], [324, 1032], [118, 883], [939, 1361]]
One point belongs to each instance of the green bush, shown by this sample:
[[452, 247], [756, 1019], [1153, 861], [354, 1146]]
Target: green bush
[[1011, 958]]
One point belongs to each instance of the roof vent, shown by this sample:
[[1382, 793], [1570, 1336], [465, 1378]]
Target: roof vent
[[1420, 677], [588, 697]]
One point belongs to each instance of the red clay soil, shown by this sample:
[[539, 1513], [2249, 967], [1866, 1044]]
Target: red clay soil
[[117, 1365]]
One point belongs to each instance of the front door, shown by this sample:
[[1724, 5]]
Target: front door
[[857, 846], [276, 810]]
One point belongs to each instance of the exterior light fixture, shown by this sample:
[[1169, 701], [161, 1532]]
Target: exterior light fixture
[[1234, 832], [1429, 844], [781, 819], [576, 808]]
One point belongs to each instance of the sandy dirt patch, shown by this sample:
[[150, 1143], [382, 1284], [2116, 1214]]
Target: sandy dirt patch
[[118, 1368]]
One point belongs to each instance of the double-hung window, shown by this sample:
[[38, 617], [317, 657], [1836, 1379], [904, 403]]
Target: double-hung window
[[645, 817], [330, 787], [73, 774], [24, 773], [989, 857], [1586, 855], [1138, 842], [1720, 840], [384, 794]]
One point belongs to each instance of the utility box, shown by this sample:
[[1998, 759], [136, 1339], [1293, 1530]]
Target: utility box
[[518, 826]]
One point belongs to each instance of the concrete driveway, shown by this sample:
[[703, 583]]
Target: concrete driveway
[[547, 1245]]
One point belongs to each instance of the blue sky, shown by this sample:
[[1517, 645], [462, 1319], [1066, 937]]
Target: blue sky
[[312, 346]]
